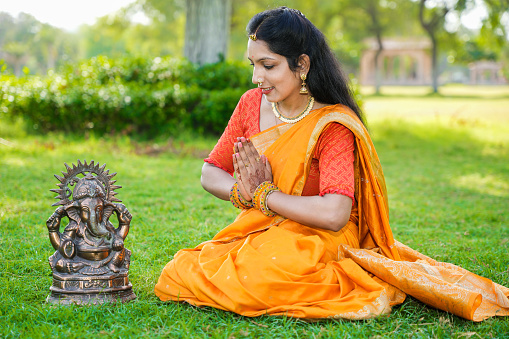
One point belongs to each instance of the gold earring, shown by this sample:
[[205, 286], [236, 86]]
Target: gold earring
[[260, 82], [303, 89]]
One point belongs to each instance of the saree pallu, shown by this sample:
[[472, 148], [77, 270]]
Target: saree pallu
[[271, 265]]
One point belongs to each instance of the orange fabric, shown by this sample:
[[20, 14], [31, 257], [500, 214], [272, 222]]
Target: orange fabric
[[331, 169], [271, 265]]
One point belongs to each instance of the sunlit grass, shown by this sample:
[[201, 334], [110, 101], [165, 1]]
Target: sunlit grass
[[448, 182], [454, 90]]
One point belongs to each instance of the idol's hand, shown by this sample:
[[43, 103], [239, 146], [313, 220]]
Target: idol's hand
[[53, 222], [252, 169]]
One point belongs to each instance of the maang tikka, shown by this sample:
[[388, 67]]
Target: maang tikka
[[303, 89]]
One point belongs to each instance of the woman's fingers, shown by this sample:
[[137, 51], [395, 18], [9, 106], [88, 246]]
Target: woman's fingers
[[241, 186], [251, 151], [244, 152], [252, 168], [240, 164], [236, 166]]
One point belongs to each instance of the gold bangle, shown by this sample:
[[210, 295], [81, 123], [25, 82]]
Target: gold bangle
[[260, 197], [237, 199]]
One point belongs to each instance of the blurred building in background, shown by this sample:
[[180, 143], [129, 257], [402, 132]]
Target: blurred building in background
[[486, 72], [401, 62], [407, 62]]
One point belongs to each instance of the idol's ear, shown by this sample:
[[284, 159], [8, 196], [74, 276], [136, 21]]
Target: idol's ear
[[72, 211], [303, 63], [109, 207]]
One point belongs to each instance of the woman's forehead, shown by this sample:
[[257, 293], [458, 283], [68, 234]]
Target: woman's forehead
[[259, 50]]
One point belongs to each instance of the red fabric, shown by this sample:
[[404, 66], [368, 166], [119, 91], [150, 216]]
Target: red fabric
[[244, 122], [331, 169]]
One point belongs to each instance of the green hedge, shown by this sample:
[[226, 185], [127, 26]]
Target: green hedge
[[134, 96], [130, 95]]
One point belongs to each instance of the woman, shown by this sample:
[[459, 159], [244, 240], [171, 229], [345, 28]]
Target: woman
[[313, 238]]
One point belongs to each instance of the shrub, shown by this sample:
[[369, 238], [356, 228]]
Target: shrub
[[136, 96], [130, 95]]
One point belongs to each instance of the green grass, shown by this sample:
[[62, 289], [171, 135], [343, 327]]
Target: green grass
[[446, 164]]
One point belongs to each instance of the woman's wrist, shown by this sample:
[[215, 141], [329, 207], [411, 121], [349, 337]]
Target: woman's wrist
[[237, 199], [262, 192], [270, 198]]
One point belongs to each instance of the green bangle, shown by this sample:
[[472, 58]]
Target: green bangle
[[237, 199], [260, 197]]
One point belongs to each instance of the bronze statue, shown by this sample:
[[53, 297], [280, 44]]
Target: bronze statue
[[90, 264]]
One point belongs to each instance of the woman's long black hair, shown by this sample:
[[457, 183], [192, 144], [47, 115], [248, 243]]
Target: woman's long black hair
[[289, 33]]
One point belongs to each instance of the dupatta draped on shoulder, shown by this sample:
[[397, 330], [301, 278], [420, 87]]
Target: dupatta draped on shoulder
[[272, 265]]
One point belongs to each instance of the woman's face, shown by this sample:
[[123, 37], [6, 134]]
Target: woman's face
[[279, 83]]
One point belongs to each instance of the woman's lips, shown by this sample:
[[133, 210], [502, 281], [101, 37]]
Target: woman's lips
[[267, 90]]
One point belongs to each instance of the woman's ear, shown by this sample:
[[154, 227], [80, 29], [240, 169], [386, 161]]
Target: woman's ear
[[303, 63]]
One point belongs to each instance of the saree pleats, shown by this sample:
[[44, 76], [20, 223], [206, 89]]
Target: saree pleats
[[271, 265]]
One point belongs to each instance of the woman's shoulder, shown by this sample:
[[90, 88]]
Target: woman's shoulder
[[249, 104], [335, 107], [342, 110], [252, 95]]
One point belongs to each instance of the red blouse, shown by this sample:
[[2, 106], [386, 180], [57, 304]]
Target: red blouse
[[331, 169]]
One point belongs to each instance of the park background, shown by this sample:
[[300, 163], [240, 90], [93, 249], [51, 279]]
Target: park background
[[134, 89]]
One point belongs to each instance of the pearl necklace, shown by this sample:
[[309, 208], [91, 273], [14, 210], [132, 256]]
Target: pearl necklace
[[297, 118]]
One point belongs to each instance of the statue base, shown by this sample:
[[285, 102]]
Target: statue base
[[79, 289]]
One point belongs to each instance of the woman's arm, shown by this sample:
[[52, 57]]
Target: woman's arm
[[330, 212], [216, 181]]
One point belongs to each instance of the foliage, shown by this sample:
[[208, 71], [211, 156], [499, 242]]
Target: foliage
[[161, 30], [137, 96], [134, 96], [448, 184], [119, 33], [26, 42]]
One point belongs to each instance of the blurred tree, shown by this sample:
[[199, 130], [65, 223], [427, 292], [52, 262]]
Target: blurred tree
[[207, 30], [376, 19], [47, 43], [24, 41], [164, 32], [207, 26], [106, 36], [16, 54], [377, 25], [432, 18], [486, 45], [494, 34], [6, 27], [16, 36]]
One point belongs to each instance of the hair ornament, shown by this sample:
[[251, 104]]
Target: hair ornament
[[253, 36]]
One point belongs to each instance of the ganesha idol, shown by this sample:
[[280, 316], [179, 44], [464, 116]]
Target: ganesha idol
[[90, 264]]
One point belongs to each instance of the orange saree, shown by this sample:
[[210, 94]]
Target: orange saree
[[272, 265]]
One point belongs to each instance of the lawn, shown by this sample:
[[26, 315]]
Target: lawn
[[446, 164]]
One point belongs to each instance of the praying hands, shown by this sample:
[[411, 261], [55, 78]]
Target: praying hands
[[251, 168]]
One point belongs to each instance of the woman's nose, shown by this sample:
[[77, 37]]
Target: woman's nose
[[257, 79]]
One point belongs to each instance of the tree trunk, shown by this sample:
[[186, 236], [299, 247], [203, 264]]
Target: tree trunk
[[377, 28], [378, 72], [431, 28], [434, 64], [207, 30]]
